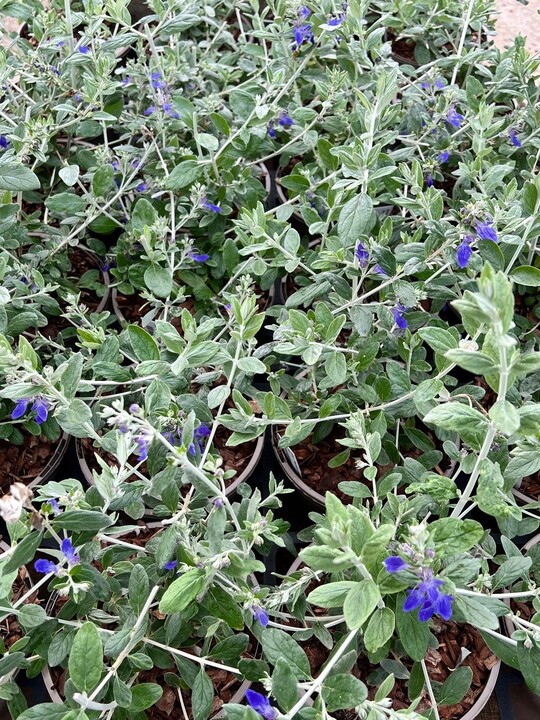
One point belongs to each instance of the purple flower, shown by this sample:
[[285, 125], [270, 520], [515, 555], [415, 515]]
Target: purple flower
[[394, 564], [136, 163], [156, 80], [143, 442], [443, 157], [150, 110], [20, 408], [218, 502], [3, 142], [362, 255], [302, 33], [397, 312], [171, 565], [198, 257], [261, 704], [378, 270], [271, 129], [428, 597], [514, 138], [439, 84], [207, 205], [454, 118], [54, 505], [45, 566], [429, 179], [260, 615], [126, 80], [69, 552], [142, 187], [335, 22], [60, 43], [134, 409], [168, 109], [41, 408], [284, 119], [486, 231], [464, 252], [425, 85], [115, 165], [303, 12], [84, 49]]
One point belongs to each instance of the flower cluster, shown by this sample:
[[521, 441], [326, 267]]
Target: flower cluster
[[40, 406]]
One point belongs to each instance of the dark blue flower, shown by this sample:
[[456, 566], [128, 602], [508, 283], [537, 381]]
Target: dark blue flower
[[271, 129], [394, 564], [303, 12], [464, 252], [171, 565], [126, 80], [55, 507], [45, 566], [261, 704], [454, 118], [397, 312], [168, 110], [207, 205], [443, 157], [514, 138], [136, 163], [150, 110], [3, 142], [425, 85], [260, 615], [115, 165], [20, 408], [486, 231], [156, 80], [142, 187], [41, 408], [439, 84], [378, 270], [428, 597], [143, 442], [284, 119], [336, 21], [69, 552], [428, 177], [362, 255], [84, 49]]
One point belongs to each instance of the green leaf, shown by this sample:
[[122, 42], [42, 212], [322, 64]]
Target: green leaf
[[103, 180], [279, 644], [452, 536], [90, 521], [529, 664], [343, 691], [526, 275], [380, 629], [17, 177], [144, 695], [71, 376], [122, 693], [23, 553], [183, 591], [202, 696], [251, 365], [46, 711], [505, 417], [284, 687], [76, 419], [85, 662], [138, 588], [475, 612], [143, 344], [414, 635], [468, 422], [31, 616], [454, 687], [510, 571], [184, 174], [158, 280], [475, 362], [69, 174], [355, 219], [335, 367], [330, 595], [222, 606], [66, 203], [360, 602], [502, 649], [438, 339]]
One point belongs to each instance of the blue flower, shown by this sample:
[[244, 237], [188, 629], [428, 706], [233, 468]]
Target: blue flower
[[143, 442], [156, 80], [55, 507], [171, 565], [428, 597], [3, 142], [443, 157], [284, 119], [362, 255], [439, 84], [136, 163], [39, 406], [20, 408], [45, 567], [378, 270], [134, 409], [207, 205], [271, 130], [168, 109], [303, 12], [336, 21], [464, 252], [115, 165], [150, 110], [69, 552], [394, 564], [514, 138], [397, 312], [126, 80], [198, 257], [260, 615], [428, 179], [261, 704], [454, 118], [142, 187], [486, 231], [84, 49]]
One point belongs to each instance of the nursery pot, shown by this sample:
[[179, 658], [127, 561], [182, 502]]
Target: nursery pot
[[491, 681], [51, 466], [508, 624], [231, 489]]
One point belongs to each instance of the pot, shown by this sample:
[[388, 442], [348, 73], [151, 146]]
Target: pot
[[52, 465], [231, 489], [508, 624]]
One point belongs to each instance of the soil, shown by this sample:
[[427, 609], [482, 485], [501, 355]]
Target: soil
[[234, 458], [530, 486], [525, 609], [440, 662], [23, 463], [10, 630]]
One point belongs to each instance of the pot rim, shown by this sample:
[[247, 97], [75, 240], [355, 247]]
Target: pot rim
[[231, 489]]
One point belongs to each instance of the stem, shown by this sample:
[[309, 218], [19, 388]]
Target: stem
[[466, 22], [322, 677], [429, 689]]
